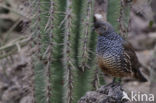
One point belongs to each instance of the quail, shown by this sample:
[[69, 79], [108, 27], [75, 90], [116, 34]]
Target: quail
[[115, 55]]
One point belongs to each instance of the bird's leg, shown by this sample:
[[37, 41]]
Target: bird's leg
[[116, 81]]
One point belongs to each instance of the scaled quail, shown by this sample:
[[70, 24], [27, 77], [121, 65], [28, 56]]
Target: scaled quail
[[115, 55]]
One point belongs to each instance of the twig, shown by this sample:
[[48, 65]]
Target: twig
[[10, 30], [14, 11], [20, 40], [8, 54], [14, 47]]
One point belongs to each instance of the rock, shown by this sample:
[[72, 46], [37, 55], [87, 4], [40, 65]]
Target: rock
[[26, 99], [13, 93], [111, 93]]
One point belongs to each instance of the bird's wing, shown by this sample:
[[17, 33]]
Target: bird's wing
[[131, 59]]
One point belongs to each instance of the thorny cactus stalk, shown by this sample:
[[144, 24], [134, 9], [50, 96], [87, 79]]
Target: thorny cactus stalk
[[47, 61], [84, 45], [119, 15], [64, 65], [68, 65], [85, 34]]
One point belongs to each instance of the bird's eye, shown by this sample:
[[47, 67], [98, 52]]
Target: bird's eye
[[104, 27]]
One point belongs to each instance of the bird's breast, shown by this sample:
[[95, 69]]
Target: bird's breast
[[110, 55], [107, 46]]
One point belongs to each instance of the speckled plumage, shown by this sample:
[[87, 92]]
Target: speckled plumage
[[110, 53], [115, 55]]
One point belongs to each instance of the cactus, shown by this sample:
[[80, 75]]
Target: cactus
[[120, 9], [64, 65], [67, 53], [48, 68], [82, 75], [113, 13]]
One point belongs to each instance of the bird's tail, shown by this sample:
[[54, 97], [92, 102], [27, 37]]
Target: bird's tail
[[139, 76]]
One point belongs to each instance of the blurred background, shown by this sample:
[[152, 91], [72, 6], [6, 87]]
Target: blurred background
[[15, 53]]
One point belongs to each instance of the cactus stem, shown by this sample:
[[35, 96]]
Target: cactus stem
[[123, 16], [32, 82], [49, 27], [67, 53], [86, 36]]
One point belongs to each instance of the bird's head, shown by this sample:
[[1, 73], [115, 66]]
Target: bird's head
[[102, 27]]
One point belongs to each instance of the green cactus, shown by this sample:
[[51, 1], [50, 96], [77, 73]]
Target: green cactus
[[113, 13], [64, 64], [49, 70], [119, 15]]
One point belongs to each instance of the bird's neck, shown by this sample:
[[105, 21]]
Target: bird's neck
[[110, 36]]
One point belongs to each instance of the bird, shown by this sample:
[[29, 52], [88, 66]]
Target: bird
[[115, 55]]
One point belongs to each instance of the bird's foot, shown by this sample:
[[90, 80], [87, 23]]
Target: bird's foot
[[116, 81]]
